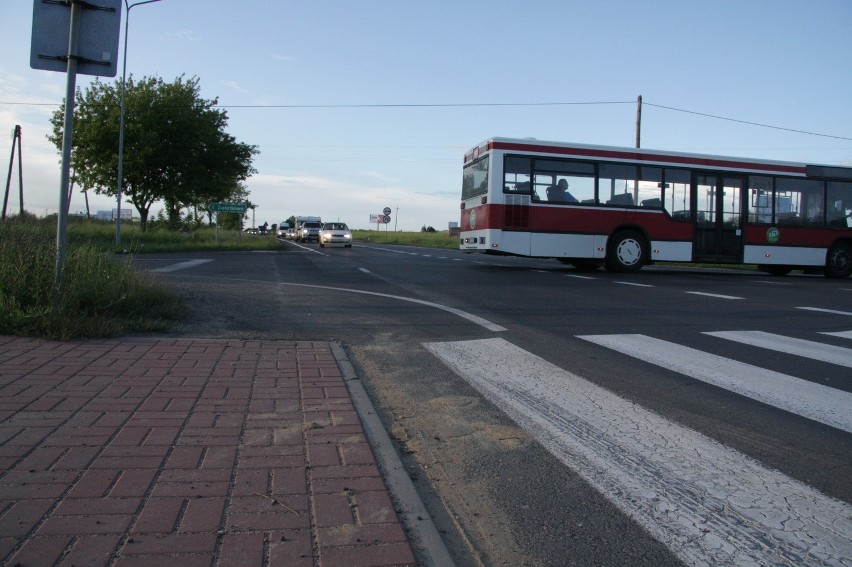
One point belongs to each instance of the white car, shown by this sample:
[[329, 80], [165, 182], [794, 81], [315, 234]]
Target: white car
[[335, 234]]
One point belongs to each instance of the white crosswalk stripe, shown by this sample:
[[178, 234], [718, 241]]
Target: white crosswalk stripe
[[707, 503], [809, 349], [841, 334], [807, 399]]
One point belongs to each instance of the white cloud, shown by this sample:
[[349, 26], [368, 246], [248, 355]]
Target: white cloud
[[236, 86], [266, 100]]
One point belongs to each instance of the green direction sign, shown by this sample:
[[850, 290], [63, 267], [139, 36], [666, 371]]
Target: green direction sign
[[227, 208]]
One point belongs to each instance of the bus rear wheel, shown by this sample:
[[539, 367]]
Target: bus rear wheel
[[838, 262], [627, 252]]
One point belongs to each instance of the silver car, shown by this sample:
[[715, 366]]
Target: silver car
[[335, 234]]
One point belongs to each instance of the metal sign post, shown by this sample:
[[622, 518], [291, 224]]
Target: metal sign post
[[88, 47]]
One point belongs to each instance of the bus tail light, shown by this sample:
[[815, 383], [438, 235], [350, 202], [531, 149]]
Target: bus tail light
[[484, 199], [462, 205]]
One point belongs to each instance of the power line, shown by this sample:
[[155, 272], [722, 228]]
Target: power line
[[747, 122], [424, 105], [490, 104]]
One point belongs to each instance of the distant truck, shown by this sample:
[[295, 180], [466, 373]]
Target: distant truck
[[282, 229], [307, 229]]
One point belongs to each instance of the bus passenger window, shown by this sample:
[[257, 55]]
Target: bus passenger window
[[564, 181], [799, 201], [516, 175], [839, 210], [676, 199], [617, 184], [650, 187], [759, 199]]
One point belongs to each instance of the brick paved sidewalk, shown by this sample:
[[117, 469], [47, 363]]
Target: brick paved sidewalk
[[186, 452]]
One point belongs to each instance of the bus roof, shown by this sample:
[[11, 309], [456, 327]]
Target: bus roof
[[657, 158]]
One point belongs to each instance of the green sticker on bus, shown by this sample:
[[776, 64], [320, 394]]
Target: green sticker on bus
[[773, 235]]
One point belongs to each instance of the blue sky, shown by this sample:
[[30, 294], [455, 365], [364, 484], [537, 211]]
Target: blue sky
[[292, 75]]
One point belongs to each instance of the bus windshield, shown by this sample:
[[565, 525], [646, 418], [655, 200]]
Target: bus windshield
[[475, 180]]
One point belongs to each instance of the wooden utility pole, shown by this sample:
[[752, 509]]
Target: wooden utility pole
[[638, 121], [16, 140]]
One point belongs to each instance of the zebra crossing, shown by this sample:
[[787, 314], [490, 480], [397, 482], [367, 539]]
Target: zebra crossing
[[708, 503], [808, 399]]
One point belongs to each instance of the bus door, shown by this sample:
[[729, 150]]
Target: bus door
[[717, 210]]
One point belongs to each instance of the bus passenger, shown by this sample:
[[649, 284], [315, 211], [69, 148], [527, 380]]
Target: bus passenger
[[562, 191]]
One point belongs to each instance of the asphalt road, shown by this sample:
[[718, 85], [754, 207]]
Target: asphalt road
[[556, 417]]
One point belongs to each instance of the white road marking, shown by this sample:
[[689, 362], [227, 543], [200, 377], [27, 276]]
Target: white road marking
[[464, 314], [809, 349], [720, 296], [707, 503], [181, 266], [306, 248], [389, 250], [833, 311], [807, 399], [841, 334], [580, 277], [633, 284]]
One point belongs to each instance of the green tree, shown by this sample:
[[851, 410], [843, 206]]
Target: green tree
[[175, 146]]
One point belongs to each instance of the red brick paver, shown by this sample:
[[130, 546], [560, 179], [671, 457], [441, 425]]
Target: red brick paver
[[192, 452]]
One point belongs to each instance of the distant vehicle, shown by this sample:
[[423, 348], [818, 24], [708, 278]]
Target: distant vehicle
[[282, 229], [251, 230], [335, 234], [307, 229]]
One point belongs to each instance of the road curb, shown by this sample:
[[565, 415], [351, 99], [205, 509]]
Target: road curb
[[424, 535]]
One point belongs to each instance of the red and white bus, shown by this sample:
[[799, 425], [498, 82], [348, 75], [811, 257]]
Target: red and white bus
[[623, 208]]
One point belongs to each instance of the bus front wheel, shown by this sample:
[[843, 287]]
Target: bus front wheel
[[838, 263], [627, 252]]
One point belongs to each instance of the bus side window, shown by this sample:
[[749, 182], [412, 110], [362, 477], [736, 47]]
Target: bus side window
[[516, 175], [759, 199], [564, 181], [617, 184], [676, 196], [651, 187], [839, 210], [799, 201]]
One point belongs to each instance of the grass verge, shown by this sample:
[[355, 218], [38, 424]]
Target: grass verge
[[422, 239], [100, 296]]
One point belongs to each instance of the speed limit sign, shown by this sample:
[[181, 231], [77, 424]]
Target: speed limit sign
[[386, 211]]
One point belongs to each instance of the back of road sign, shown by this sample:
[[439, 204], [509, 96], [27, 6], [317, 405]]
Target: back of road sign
[[100, 26]]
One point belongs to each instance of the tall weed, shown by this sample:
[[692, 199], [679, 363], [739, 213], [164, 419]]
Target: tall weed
[[99, 297]]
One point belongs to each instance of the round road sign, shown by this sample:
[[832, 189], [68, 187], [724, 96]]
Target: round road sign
[[386, 210]]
